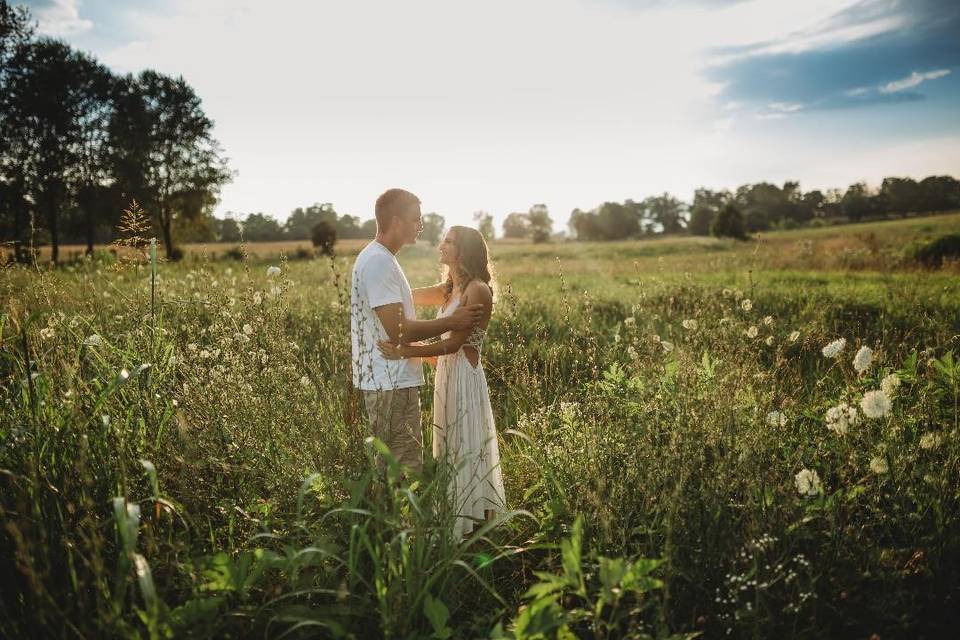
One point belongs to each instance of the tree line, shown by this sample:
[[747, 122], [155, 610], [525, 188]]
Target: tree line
[[78, 143], [763, 206]]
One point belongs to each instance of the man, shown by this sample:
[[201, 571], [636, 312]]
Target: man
[[381, 308]]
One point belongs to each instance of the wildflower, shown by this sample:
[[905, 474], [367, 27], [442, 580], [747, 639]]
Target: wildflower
[[746, 304], [794, 336], [629, 321], [305, 381], [47, 332], [834, 348], [929, 441], [667, 346], [204, 354], [768, 320], [776, 419], [808, 483], [247, 329], [879, 465], [690, 324], [257, 298], [752, 332], [890, 384], [861, 361], [192, 346], [105, 420], [124, 374], [727, 293], [632, 353], [769, 341], [841, 417], [92, 340], [875, 404], [273, 271]]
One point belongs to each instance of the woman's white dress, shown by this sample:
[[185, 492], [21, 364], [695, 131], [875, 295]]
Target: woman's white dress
[[464, 433]]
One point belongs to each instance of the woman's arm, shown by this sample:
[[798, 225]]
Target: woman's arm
[[431, 296]]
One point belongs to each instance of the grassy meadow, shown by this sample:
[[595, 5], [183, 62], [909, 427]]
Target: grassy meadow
[[688, 450]]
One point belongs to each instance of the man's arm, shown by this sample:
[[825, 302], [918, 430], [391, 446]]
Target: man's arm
[[403, 330]]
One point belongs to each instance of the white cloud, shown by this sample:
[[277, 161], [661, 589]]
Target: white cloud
[[62, 18], [913, 80]]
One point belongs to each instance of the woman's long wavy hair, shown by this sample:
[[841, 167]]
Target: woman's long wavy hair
[[473, 261]]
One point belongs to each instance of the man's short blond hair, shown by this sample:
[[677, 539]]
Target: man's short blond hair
[[392, 202]]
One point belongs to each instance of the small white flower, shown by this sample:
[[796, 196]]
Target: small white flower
[[875, 404], [890, 384], [861, 361], [175, 403], [727, 293], [273, 271], [794, 336], [746, 305], [247, 329], [690, 324], [752, 332], [192, 346], [257, 298], [275, 291], [768, 320], [305, 381], [105, 420], [769, 341], [204, 354], [841, 417], [776, 419], [124, 374], [93, 340], [808, 483], [833, 349], [47, 332], [667, 346], [929, 441], [629, 321], [879, 465], [632, 353]]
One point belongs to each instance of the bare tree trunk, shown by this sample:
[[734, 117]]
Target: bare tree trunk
[[54, 230], [165, 227]]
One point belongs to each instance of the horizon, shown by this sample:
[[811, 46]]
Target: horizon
[[583, 103]]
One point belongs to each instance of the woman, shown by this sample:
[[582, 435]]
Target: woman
[[463, 432]]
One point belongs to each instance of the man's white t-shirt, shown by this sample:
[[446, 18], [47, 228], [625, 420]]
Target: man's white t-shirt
[[378, 280]]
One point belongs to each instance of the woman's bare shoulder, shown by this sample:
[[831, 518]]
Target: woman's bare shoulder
[[478, 291]]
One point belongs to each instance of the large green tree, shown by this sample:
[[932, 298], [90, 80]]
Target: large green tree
[[541, 225], [163, 150], [55, 106]]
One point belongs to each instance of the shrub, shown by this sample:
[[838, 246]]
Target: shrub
[[932, 254], [234, 253], [324, 236], [729, 223]]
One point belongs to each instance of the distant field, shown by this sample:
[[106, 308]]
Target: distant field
[[871, 245]]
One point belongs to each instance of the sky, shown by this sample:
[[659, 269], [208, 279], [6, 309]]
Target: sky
[[500, 105]]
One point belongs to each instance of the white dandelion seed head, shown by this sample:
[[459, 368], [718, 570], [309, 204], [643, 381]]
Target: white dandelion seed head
[[746, 304], [690, 324], [47, 332], [305, 381], [752, 332], [124, 374], [861, 361], [833, 349], [875, 404], [769, 341], [768, 320], [808, 483], [667, 346], [841, 417], [890, 384], [273, 271], [794, 336], [879, 465], [93, 340]]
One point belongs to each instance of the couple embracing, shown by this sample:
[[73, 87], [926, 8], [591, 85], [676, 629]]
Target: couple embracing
[[390, 346]]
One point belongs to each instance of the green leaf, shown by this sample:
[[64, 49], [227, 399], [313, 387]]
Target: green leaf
[[438, 614]]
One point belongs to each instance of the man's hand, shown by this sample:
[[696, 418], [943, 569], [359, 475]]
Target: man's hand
[[466, 317]]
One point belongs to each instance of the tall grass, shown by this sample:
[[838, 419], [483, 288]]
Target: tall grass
[[202, 468]]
